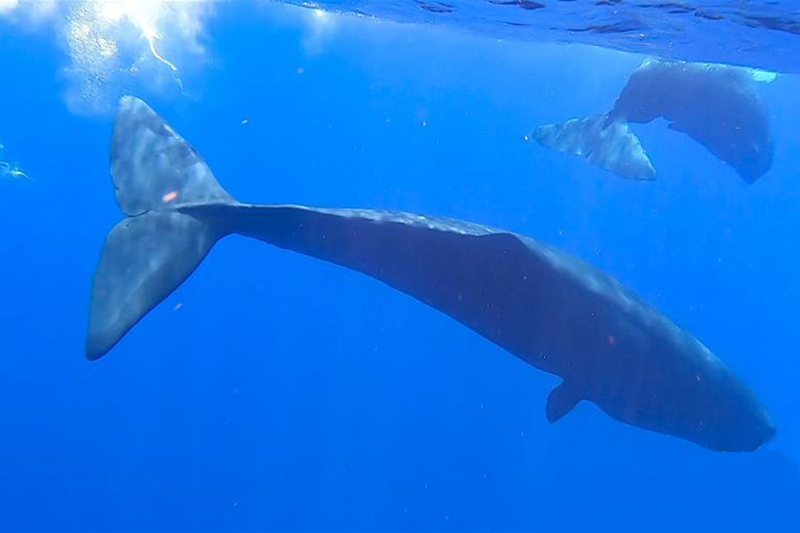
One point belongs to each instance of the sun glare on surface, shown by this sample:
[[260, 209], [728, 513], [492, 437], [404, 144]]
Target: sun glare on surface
[[117, 45], [142, 14]]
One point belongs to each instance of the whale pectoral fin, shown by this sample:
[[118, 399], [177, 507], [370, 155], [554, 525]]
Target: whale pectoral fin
[[561, 401], [674, 126]]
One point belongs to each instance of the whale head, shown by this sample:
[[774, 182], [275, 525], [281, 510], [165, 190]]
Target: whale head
[[712, 406], [727, 415], [667, 381]]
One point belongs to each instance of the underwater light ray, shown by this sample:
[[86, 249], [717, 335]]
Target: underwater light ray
[[115, 45], [143, 15]]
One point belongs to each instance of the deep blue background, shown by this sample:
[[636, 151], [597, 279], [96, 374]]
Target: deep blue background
[[287, 393]]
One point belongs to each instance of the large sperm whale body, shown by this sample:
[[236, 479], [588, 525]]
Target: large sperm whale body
[[716, 105], [544, 306]]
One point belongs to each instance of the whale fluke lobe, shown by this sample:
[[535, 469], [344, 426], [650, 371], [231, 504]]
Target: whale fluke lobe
[[147, 255], [153, 167], [144, 259], [542, 305], [613, 147]]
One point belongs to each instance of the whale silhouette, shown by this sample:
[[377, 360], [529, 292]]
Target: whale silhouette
[[542, 305], [716, 105]]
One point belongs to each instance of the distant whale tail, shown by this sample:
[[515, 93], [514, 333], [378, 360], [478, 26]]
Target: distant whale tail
[[610, 145], [152, 251], [718, 106]]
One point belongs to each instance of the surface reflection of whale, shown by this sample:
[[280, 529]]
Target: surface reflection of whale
[[716, 105], [548, 308]]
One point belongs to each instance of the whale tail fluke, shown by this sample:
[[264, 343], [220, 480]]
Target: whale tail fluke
[[147, 255], [611, 146]]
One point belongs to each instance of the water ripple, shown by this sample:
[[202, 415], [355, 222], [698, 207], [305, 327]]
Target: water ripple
[[755, 33]]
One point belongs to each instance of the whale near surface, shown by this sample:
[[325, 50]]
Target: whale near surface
[[718, 106], [542, 305]]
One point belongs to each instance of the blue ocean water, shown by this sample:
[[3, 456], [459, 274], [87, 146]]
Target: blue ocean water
[[273, 391]]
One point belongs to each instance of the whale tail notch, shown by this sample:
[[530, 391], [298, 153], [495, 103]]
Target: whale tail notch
[[150, 253], [610, 145]]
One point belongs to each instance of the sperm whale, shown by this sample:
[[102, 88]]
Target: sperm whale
[[716, 105], [542, 305]]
